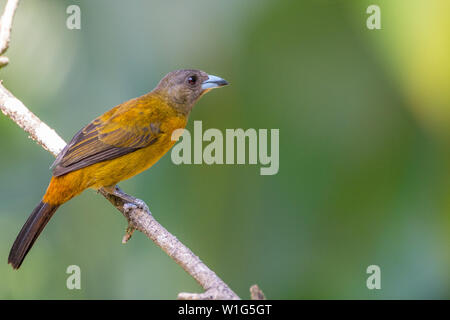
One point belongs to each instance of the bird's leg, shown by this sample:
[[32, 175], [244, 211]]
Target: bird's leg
[[129, 203], [126, 198]]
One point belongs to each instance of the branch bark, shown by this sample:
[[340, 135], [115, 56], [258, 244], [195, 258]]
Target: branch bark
[[138, 218], [5, 28]]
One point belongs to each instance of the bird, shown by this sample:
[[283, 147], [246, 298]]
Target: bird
[[116, 146]]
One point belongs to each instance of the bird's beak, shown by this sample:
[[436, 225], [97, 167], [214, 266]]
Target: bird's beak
[[213, 82]]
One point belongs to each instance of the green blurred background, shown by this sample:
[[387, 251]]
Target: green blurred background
[[364, 119]]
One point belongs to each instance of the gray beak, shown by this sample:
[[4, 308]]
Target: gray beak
[[213, 82]]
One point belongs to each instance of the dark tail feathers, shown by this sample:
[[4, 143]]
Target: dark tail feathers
[[30, 232]]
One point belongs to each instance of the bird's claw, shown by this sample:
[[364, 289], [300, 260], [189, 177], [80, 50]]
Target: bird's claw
[[140, 204], [136, 204], [128, 207]]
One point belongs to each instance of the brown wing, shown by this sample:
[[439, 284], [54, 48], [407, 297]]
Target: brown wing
[[100, 141]]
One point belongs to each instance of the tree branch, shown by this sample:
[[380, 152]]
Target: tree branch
[[139, 218], [5, 29]]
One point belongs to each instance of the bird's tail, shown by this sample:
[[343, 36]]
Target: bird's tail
[[30, 232]]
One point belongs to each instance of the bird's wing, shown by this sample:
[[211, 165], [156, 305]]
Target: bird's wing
[[103, 140]]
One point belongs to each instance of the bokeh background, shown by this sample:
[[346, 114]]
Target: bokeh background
[[364, 119]]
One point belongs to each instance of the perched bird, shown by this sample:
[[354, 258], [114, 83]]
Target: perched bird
[[119, 144]]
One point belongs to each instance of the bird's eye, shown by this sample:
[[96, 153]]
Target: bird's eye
[[192, 80]]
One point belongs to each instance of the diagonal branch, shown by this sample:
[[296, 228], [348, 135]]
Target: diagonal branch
[[138, 218]]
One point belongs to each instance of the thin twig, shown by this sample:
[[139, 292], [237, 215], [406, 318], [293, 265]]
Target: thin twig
[[5, 28], [24, 118], [256, 293], [142, 220]]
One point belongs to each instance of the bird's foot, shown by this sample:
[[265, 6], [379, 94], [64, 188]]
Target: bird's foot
[[130, 202], [134, 203], [126, 204]]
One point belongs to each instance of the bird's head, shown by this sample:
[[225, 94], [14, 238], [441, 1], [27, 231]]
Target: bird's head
[[182, 88]]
